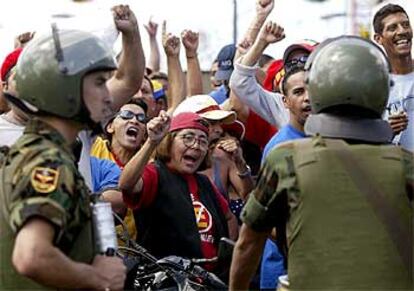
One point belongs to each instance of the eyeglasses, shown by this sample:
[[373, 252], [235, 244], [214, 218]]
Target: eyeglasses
[[127, 115], [295, 62], [189, 140]]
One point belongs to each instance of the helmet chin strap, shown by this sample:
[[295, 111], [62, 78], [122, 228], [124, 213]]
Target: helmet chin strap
[[83, 117]]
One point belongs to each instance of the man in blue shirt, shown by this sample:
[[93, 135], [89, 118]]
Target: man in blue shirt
[[295, 99]]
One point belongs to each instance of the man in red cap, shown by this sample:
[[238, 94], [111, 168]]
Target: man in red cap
[[268, 105]]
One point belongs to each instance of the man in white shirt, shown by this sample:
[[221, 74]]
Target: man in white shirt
[[394, 33]]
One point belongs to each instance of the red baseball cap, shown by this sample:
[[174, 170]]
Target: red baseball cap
[[188, 120], [307, 45], [275, 72]]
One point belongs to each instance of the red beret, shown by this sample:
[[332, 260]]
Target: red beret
[[9, 62]]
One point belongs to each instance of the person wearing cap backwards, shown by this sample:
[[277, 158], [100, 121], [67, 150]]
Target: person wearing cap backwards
[[64, 80], [268, 105], [225, 163], [394, 33], [178, 211], [352, 230], [295, 98]]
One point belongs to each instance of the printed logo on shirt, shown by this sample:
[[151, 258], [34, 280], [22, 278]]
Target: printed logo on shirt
[[203, 217]]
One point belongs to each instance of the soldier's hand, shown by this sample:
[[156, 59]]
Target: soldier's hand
[[158, 127], [264, 7], [112, 272], [190, 41], [398, 122], [151, 28], [271, 33], [124, 18]]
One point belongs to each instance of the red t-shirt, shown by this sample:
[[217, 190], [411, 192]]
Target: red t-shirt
[[258, 130], [202, 216]]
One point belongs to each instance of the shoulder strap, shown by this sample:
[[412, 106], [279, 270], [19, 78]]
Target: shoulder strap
[[401, 236]]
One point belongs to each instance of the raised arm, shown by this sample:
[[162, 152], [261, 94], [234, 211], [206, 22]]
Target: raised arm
[[130, 181], [190, 41], [128, 78], [176, 91], [154, 59], [263, 9], [243, 81], [270, 33]]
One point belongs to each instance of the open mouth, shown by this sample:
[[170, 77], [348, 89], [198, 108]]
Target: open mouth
[[132, 132], [190, 160], [307, 109]]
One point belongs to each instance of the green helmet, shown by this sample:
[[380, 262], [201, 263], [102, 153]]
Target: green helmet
[[51, 68], [348, 85]]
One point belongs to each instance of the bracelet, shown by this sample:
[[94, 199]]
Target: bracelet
[[191, 57], [246, 173]]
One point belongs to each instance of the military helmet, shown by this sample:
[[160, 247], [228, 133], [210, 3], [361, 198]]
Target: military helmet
[[348, 74], [51, 68]]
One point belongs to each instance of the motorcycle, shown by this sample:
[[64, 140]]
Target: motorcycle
[[146, 272]]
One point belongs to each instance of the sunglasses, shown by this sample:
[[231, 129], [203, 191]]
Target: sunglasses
[[296, 62], [127, 115]]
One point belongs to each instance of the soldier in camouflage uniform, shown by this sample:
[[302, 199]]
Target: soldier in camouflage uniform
[[45, 221], [341, 199]]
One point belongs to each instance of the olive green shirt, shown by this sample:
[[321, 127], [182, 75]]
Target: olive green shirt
[[39, 178], [336, 238]]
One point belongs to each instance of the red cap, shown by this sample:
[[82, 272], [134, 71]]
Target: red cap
[[188, 120], [274, 72], [235, 129], [307, 45], [9, 62]]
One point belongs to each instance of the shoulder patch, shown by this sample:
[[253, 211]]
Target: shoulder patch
[[44, 180]]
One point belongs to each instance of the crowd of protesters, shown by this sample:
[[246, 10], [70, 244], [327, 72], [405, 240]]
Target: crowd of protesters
[[177, 164]]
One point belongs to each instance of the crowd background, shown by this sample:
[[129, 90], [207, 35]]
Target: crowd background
[[153, 135], [301, 19]]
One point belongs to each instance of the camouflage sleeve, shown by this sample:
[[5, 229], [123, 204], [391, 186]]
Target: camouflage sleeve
[[43, 190], [267, 205]]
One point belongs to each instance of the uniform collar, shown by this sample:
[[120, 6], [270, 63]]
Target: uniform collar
[[38, 127]]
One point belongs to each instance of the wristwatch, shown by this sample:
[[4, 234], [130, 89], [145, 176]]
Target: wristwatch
[[246, 173]]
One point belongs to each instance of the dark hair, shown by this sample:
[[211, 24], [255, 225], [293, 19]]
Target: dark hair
[[383, 13], [264, 59], [159, 76], [290, 72], [149, 81], [136, 101], [139, 102]]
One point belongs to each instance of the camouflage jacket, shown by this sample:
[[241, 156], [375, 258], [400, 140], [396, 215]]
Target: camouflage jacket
[[39, 178]]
